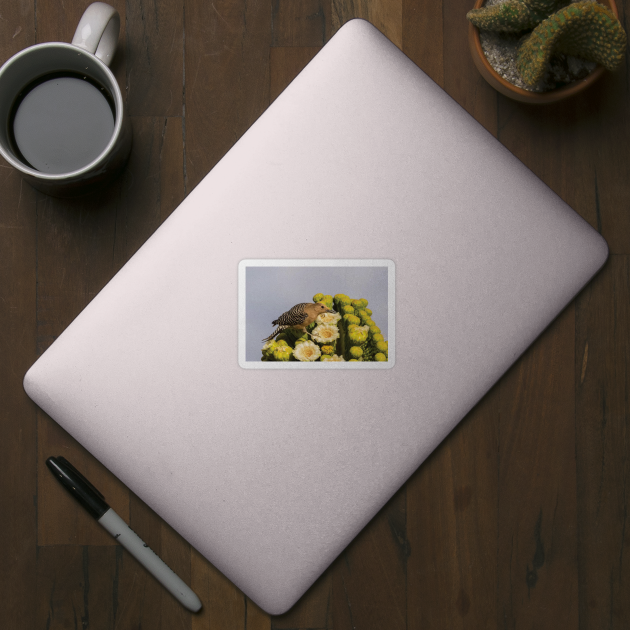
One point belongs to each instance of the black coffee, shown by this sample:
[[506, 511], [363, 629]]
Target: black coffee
[[61, 123]]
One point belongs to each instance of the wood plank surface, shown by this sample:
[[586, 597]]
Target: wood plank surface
[[602, 380], [18, 417], [518, 520]]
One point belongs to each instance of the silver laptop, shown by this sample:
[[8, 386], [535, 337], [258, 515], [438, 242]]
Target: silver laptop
[[364, 186]]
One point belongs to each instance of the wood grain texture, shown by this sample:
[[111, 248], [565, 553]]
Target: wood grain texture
[[285, 64], [518, 520], [386, 15], [369, 577], [461, 79], [300, 22], [226, 78], [422, 36], [154, 58], [602, 380], [452, 516], [537, 533], [18, 416]]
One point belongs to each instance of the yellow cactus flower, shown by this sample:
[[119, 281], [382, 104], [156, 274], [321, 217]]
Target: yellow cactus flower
[[328, 318], [307, 351], [325, 333], [379, 356], [330, 350]]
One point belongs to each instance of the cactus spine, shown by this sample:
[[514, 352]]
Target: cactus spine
[[582, 29], [513, 16]]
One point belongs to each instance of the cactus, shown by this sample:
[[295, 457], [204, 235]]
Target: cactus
[[349, 334], [356, 352], [583, 29], [379, 356], [307, 351], [351, 319], [514, 16], [282, 353], [358, 335]]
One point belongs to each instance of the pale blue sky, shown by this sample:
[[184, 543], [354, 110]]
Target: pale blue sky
[[270, 291]]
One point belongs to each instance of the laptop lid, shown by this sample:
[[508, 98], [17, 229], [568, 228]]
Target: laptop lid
[[363, 179]]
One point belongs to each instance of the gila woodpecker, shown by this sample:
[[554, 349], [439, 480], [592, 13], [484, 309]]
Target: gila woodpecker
[[298, 317]]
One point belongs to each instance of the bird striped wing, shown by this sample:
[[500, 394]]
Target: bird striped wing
[[293, 317]]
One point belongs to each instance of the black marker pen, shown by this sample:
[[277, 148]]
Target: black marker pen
[[94, 502]]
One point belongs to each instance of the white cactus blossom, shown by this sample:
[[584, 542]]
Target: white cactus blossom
[[307, 351], [336, 357], [269, 344], [325, 333], [328, 318]]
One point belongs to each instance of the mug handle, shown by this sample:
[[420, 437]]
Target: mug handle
[[98, 30]]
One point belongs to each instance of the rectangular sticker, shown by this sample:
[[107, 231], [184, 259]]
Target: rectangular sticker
[[316, 314]]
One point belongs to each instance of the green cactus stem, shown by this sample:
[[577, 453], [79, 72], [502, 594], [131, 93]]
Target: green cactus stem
[[583, 29], [268, 348], [283, 353], [513, 16], [347, 310]]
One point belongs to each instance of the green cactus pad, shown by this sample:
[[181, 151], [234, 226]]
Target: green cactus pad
[[583, 29], [513, 16]]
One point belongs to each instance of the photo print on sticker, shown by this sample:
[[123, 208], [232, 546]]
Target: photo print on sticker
[[316, 314]]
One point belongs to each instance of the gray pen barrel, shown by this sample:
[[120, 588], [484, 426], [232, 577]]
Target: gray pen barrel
[[149, 559]]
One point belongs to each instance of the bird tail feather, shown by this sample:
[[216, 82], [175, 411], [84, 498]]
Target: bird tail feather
[[273, 334]]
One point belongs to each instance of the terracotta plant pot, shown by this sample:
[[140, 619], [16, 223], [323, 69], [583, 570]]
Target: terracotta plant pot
[[519, 94]]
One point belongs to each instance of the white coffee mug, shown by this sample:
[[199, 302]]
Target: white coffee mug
[[62, 115]]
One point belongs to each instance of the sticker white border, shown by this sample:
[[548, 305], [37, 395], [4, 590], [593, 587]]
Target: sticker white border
[[329, 262]]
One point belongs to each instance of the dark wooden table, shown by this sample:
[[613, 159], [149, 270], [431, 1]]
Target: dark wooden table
[[518, 520]]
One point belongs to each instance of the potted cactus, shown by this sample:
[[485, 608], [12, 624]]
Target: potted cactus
[[558, 49]]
